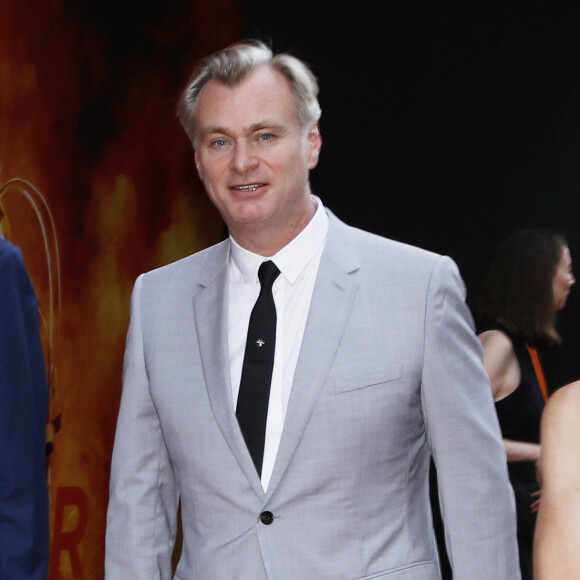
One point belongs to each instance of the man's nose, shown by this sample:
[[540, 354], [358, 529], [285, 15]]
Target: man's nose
[[244, 158]]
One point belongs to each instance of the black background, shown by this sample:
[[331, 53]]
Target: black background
[[445, 125]]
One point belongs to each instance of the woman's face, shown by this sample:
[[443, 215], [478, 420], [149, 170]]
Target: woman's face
[[563, 279]]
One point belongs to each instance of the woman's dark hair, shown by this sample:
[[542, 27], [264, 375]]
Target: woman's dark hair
[[518, 290]]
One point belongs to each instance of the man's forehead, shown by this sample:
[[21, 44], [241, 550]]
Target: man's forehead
[[261, 100], [262, 84]]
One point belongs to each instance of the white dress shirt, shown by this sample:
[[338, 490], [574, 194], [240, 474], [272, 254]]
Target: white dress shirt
[[298, 264]]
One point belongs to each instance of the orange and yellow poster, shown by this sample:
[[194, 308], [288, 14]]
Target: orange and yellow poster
[[97, 184]]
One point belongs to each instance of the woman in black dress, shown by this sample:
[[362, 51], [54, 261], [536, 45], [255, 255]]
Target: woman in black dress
[[529, 280]]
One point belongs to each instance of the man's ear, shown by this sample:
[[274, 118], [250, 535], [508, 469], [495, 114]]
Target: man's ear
[[315, 143], [197, 164]]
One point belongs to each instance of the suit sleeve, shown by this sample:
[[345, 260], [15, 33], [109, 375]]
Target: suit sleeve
[[476, 499], [23, 414], [142, 512]]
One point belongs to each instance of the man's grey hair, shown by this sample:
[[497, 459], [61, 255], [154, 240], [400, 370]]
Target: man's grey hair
[[233, 64]]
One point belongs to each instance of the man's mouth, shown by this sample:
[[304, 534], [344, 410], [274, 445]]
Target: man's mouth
[[250, 187]]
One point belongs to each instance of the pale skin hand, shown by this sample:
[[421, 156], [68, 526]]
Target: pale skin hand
[[502, 367], [557, 539]]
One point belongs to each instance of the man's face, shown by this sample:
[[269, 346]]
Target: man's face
[[253, 155]]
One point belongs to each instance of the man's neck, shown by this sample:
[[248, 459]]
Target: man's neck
[[266, 241]]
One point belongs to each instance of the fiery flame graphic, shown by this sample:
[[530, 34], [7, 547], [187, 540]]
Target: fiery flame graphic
[[99, 186]]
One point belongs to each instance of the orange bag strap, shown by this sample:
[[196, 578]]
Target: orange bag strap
[[539, 371]]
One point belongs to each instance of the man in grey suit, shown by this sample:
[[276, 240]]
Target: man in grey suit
[[376, 369]]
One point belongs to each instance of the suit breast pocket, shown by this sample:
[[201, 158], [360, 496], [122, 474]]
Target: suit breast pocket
[[415, 571], [363, 378], [363, 409]]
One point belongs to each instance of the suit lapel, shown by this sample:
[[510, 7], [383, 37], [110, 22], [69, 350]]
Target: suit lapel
[[332, 300], [211, 324]]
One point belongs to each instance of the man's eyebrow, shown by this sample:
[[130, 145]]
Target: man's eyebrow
[[213, 129], [266, 124], [261, 125]]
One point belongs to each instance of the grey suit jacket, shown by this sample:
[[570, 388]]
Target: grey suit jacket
[[390, 372]]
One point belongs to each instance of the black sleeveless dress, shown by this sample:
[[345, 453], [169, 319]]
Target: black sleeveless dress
[[519, 417]]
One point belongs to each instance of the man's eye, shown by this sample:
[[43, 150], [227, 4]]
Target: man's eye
[[219, 143], [266, 136]]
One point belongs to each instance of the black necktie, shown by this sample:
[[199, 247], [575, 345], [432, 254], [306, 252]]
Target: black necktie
[[252, 407]]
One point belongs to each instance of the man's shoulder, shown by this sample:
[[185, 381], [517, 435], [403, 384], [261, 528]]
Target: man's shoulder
[[378, 248], [8, 249], [10, 256], [194, 265]]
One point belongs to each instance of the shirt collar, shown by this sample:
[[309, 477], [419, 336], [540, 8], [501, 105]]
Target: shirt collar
[[292, 258]]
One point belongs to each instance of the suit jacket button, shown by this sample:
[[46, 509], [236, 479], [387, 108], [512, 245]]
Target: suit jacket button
[[266, 518]]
